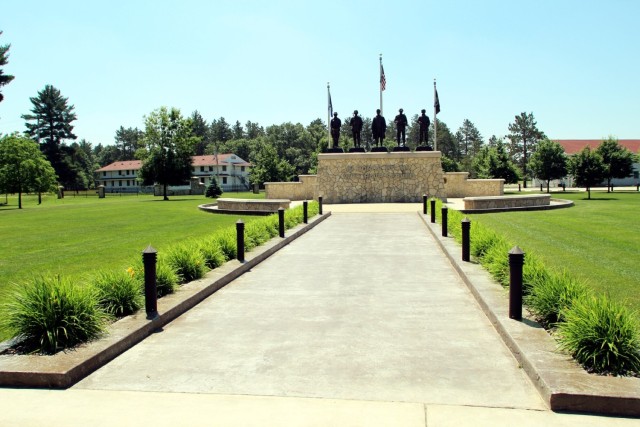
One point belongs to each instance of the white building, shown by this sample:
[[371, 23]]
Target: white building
[[231, 172]]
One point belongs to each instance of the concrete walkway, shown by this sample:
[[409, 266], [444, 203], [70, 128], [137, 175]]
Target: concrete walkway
[[362, 321]]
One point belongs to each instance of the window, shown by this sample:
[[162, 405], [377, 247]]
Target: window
[[210, 168], [224, 179], [104, 173], [113, 183], [120, 173], [202, 180], [224, 168], [241, 168], [128, 183], [119, 183], [201, 168]]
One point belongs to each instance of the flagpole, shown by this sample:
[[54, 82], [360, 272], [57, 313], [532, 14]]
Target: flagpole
[[435, 118], [329, 114], [381, 85]]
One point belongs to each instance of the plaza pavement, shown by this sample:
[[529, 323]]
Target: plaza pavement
[[362, 321]]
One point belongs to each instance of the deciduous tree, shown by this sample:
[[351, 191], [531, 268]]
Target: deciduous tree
[[587, 169], [169, 140], [23, 167], [548, 162], [617, 160]]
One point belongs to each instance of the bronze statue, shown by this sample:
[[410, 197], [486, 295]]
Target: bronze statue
[[424, 122], [336, 123], [378, 128], [401, 127], [356, 128]]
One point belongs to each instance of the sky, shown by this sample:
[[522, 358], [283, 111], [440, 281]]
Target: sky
[[574, 64]]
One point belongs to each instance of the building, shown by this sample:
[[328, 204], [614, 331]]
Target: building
[[574, 146], [231, 172]]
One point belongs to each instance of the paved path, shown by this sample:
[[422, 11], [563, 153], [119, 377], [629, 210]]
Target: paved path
[[365, 307]]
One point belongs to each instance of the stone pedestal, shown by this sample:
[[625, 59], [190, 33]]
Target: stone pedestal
[[380, 177]]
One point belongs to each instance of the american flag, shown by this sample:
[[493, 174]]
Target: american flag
[[383, 79], [330, 104], [436, 103]]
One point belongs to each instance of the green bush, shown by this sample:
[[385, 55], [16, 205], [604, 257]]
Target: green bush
[[227, 241], [601, 335], [167, 279], [255, 234], [212, 253], [481, 240], [119, 293], [554, 295], [496, 261], [51, 314], [187, 261]]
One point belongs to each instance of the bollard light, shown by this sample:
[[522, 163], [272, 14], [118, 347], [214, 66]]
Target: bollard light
[[433, 211], [320, 205], [466, 246], [424, 203], [305, 212], [281, 221], [445, 212], [149, 261], [240, 240], [516, 261]]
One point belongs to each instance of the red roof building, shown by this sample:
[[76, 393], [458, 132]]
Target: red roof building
[[231, 171], [574, 146]]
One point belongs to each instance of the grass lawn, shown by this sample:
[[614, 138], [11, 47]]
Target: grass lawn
[[76, 236], [596, 240]]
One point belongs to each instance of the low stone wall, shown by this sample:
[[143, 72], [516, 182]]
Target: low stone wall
[[380, 177], [305, 189], [457, 185], [269, 205], [506, 202]]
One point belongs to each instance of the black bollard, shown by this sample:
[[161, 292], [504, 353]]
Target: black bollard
[[320, 205], [516, 261], [519, 187], [445, 212], [433, 211], [637, 187], [541, 188], [305, 212], [281, 221], [149, 258], [466, 247], [424, 203], [240, 240]]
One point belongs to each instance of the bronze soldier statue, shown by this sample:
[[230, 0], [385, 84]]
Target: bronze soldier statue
[[356, 128], [401, 127], [424, 122], [336, 123], [378, 128]]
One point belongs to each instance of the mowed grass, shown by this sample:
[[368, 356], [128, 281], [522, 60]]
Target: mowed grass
[[596, 240], [76, 236]]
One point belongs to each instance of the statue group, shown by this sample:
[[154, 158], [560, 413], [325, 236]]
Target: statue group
[[379, 129]]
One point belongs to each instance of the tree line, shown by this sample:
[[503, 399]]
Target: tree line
[[282, 152]]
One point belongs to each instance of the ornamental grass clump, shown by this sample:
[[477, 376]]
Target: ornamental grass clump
[[553, 296], [255, 234], [602, 335], [496, 261], [187, 261], [226, 239], [119, 292], [482, 239], [167, 279], [51, 314], [212, 253]]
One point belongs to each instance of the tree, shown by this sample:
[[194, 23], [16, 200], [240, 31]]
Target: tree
[[53, 115], [201, 130], [4, 59], [220, 130], [213, 190], [494, 162], [253, 130], [23, 168], [617, 159], [524, 138], [587, 168], [469, 143], [447, 143], [548, 162], [237, 131], [269, 167], [169, 140], [128, 141]]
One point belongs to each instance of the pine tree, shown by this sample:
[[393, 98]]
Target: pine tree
[[4, 59], [213, 190], [524, 138]]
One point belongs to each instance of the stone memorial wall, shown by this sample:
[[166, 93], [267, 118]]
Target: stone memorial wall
[[380, 177]]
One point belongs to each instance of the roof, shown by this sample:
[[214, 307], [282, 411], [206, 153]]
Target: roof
[[119, 166], [223, 159], [573, 146]]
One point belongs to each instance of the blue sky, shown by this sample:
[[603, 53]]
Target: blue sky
[[574, 64]]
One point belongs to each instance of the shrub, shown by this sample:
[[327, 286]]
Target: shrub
[[119, 293], [482, 239], [212, 253], [167, 279], [187, 261], [52, 314], [496, 261], [554, 295], [601, 335], [255, 234]]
